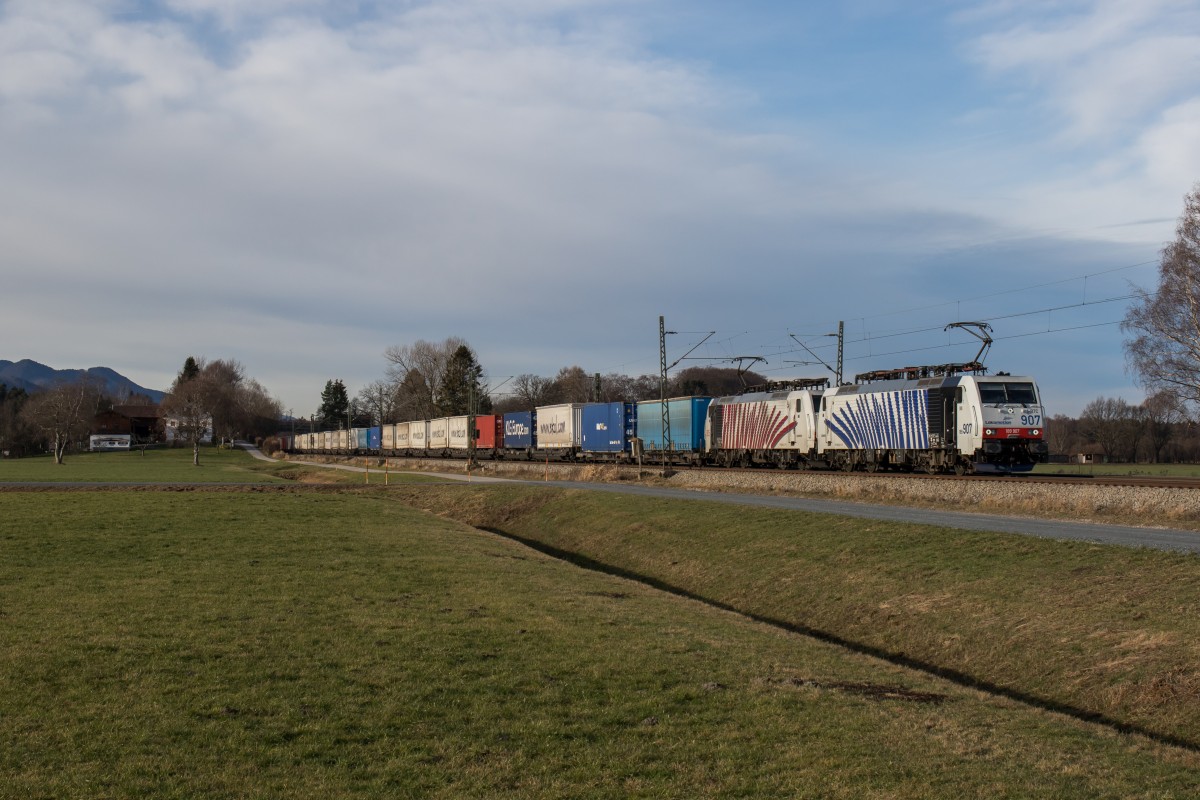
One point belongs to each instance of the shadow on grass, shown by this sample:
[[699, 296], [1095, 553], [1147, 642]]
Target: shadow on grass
[[900, 659]]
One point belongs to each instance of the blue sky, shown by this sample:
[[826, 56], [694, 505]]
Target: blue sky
[[299, 184]]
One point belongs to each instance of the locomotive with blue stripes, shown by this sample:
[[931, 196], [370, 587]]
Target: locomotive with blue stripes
[[944, 422]]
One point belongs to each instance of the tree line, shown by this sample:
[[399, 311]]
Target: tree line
[[53, 420], [1156, 431], [207, 396], [426, 380]]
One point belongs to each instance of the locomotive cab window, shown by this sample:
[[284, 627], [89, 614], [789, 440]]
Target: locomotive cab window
[[1018, 393]]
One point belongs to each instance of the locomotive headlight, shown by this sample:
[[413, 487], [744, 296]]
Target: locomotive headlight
[[988, 432], [1036, 432]]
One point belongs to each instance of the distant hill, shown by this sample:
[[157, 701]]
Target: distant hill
[[33, 377]]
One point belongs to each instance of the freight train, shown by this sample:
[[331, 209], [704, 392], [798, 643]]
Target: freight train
[[928, 419]]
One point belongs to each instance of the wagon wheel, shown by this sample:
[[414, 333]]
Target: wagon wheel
[[960, 469]]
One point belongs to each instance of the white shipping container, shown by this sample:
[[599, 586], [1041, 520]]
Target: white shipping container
[[458, 432], [401, 442], [387, 437], [439, 433], [418, 435], [559, 427]]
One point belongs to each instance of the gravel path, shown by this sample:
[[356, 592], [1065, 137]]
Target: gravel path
[[1065, 511], [1124, 535]]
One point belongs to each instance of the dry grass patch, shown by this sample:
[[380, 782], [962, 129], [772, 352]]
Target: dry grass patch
[[1102, 630]]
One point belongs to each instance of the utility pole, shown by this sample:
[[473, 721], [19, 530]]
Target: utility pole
[[662, 389], [471, 433], [841, 338]]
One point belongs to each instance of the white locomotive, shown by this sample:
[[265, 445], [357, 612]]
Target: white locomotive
[[908, 419], [964, 423]]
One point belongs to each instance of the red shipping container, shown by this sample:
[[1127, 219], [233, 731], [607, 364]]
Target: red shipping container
[[489, 429]]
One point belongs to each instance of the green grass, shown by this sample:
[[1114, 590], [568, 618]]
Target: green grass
[[338, 644], [1106, 630], [174, 465], [1154, 470], [170, 465]]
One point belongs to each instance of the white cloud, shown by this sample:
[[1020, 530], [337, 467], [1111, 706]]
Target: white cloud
[[1103, 64], [300, 181], [1170, 148]]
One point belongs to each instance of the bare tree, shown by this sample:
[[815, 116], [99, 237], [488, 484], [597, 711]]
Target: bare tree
[[1165, 348], [378, 399], [531, 390], [1114, 425], [223, 381], [417, 371], [62, 413], [1062, 434], [259, 411], [572, 385], [1163, 415], [189, 404]]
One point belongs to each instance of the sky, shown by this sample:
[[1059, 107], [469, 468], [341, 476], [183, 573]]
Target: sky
[[300, 184]]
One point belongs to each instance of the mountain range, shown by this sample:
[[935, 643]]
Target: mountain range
[[33, 377]]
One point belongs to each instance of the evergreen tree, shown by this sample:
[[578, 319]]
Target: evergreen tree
[[335, 403], [15, 436], [190, 370], [461, 384]]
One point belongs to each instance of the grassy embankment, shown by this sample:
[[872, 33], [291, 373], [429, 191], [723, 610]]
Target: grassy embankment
[[1102, 631], [242, 644]]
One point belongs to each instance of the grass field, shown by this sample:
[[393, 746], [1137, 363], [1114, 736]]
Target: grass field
[[174, 465], [1155, 470], [1106, 631], [340, 644]]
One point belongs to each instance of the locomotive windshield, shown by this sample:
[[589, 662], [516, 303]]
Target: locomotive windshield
[[1008, 392]]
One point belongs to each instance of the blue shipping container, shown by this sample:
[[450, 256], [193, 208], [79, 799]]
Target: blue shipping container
[[688, 415], [374, 438], [607, 427], [519, 429]]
